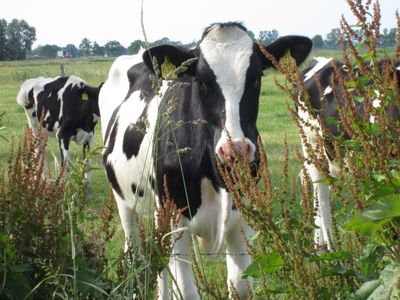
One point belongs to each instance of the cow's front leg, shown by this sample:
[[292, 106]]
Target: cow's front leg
[[237, 258], [323, 217], [88, 146], [181, 265], [63, 140], [126, 215]]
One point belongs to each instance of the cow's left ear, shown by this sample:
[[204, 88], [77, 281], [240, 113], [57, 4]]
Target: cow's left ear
[[92, 92], [299, 47], [176, 56]]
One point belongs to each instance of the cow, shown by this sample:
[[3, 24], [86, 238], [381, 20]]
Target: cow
[[180, 131], [326, 96], [66, 107]]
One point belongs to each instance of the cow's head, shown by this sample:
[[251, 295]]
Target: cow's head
[[92, 94], [227, 77]]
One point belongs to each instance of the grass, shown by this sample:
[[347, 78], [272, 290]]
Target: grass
[[274, 123]]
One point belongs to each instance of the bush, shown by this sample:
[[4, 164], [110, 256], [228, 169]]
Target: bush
[[44, 249]]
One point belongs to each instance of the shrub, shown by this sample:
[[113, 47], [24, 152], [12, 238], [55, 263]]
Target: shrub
[[366, 202], [46, 252]]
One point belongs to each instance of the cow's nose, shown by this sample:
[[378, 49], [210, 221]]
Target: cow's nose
[[229, 150]]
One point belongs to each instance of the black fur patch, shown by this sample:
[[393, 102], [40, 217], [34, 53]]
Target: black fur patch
[[152, 182], [31, 100], [134, 135], [113, 179], [135, 190]]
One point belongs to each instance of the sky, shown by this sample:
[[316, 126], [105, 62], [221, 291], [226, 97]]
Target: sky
[[69, 21]]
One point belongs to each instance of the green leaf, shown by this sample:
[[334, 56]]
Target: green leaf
[[367, 289], [358, 99], [266, 264], [354, 145], [376, 216], [373, 129], [340, 255], [378, 177], [363, 225], [386, 287], [371, 253], [368, 56], [168, 69], [387, 208], [332, 121], [19, 268], [351, 84]]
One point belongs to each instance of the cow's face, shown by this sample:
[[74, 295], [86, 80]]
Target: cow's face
[[92, 95], [228, 74], [227, 78]]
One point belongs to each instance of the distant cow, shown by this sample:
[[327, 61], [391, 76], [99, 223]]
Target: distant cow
[[67, 107], [326, 95], [221, 88]]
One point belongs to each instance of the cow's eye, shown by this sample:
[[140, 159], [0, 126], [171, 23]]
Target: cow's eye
[[202, 85]]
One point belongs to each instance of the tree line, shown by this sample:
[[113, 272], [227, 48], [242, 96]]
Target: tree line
[[17, 38]]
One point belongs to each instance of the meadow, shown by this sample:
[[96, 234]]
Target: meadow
[[274, 123], [288, 236]]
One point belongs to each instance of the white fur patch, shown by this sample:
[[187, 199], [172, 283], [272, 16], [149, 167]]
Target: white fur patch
[[328, 90], [138, 169], [322, 62], [82, 136], [211, 217], [228, 55], [116, 87]]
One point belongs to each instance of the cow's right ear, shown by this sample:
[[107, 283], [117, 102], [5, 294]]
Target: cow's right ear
[[176, 56], [93, 92], [298, 46]]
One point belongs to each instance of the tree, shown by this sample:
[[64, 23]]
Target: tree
[[268, 36], [85, 47], [28, 35], [318, 41], [97, 49], [332, 39], [392, 37], [47, 51], [114, 48], [19, 39], [135, 46], [3, 38], [71, 50]]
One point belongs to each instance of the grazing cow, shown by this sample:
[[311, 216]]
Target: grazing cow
[[220, 87], [321, 83], [66, 106]]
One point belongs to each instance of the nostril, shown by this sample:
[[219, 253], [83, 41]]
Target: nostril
[[229, 151], [221, 153]]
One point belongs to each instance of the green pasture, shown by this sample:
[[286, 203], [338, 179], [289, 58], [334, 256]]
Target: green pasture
[[274, 121]]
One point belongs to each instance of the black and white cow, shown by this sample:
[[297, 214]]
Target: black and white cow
[[321, 83], [221, 88], [67, 107]]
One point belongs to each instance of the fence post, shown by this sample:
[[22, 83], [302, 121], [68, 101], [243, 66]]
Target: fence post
[[62, 70]]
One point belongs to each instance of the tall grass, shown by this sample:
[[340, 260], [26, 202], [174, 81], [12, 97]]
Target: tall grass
[[75, 241], [365, 263]]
